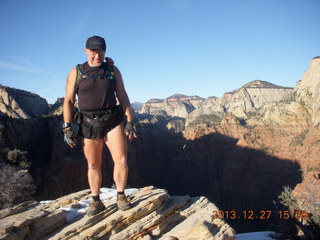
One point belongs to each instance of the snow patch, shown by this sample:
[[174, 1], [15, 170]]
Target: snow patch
[[266, 235], [106, 195]]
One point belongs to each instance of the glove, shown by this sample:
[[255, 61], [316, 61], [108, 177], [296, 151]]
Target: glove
[[131, 130], [69, 137]]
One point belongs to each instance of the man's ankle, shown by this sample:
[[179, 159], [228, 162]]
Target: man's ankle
[[96, 198]]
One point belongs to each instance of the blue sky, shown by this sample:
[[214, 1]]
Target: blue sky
[[162, 47]]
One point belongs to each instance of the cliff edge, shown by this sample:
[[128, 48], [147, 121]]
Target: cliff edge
[[18, 103], [155, 215], [308, 89]]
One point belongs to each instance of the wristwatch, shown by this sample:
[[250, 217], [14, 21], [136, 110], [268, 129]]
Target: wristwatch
[[65, 125]]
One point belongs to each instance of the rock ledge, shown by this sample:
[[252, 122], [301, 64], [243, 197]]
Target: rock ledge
[[155, 215]]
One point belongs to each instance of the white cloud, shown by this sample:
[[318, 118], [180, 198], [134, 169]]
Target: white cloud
[[35, 79], [22, 64], [15, 67]]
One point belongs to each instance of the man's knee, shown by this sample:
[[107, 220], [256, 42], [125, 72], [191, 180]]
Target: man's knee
[[94, 166], [121, 162]]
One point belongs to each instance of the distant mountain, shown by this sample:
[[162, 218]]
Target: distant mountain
[[243, 101], [239, 102], [178, 105], [178, 95], [21, 104], [136, 106], [262, 84], [308, 89], [57, 107]]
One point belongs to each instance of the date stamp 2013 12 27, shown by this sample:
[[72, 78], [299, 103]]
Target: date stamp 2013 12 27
[[261, 215]]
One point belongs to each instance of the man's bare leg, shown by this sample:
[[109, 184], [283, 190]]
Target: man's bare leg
[[117, 144], [93, 152]]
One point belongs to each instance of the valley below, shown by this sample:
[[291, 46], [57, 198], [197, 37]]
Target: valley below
[[240, 151]]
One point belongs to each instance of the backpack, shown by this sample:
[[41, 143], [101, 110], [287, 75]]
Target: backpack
[[108, 65]]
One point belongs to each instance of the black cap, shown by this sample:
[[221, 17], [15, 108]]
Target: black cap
[[96, 43]]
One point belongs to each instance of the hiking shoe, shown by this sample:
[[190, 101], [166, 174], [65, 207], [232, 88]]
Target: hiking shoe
[[123, 203], [95, 207]]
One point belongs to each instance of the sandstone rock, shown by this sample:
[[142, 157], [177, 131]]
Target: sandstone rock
[[56, 108], [249, 98], [176, 124], [10, 107], [21, 104], [47, 224], [155, 215], [307, 193], [177, 105], [152, 223], [136, 106], [146, 237], [17, 209], [308, 89], [197, 222], [292, 113], [241, 102], [209, 106], [202, 226], [16, 224]]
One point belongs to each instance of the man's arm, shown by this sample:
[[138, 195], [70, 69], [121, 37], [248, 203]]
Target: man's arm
[[125, 103], [69, 99], [123, 96], [68, 104]]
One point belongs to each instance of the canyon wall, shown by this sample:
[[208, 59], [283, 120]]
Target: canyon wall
[[239, 150]]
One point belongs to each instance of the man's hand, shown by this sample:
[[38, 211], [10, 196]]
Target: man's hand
[[131, 131], [69, 137]]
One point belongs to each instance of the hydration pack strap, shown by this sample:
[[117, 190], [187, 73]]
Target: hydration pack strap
[[80, 75]]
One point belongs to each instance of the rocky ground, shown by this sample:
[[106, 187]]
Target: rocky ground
[[155, 215]]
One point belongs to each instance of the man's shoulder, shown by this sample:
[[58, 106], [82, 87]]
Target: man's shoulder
[[109, 61], [80, 65]]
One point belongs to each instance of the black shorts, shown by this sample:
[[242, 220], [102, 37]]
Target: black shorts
[[95, 125]]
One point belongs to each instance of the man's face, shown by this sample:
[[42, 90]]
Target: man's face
[[95, 57]]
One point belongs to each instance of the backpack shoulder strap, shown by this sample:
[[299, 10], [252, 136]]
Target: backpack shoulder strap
[[109, 61], [110, 66], [78, 76]]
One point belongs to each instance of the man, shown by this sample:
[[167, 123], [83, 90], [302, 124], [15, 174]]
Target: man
[[98, 85]]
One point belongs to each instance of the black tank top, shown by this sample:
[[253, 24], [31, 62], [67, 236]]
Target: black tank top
[[97, 88]]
